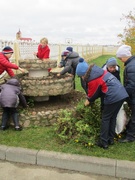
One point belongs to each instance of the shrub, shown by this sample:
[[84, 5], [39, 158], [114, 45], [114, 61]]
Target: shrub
[[81, 126]]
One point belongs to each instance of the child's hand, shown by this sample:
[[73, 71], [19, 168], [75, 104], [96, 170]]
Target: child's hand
[[59, 66], [58, 75], [22, 70], [70, 74], [35, 54], [86, 103]]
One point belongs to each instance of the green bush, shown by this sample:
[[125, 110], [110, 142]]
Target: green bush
[[81, 126]]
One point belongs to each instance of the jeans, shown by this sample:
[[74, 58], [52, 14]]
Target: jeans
[[108, 122], [130, 131], [7, 112]]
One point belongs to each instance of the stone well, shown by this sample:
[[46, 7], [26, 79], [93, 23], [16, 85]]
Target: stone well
[[40, 84]]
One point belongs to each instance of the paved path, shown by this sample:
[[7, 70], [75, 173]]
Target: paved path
[[37, 160], [19, 171]]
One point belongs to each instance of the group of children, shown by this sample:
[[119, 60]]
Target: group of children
[[11, 92], [103, 82]]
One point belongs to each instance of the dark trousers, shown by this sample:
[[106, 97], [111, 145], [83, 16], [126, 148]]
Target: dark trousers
[[7, 113], [130, 131], [108, 123]]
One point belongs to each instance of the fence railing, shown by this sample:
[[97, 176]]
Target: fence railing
[[26, 49]]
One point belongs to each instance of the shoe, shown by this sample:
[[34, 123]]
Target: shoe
[[18, 128], [3, 128], [110, 142], [125, 140], [102, 145]]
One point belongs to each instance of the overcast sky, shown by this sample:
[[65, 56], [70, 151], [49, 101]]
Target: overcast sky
[[78, 21]]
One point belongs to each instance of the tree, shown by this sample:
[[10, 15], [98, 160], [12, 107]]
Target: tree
[[128, 36]]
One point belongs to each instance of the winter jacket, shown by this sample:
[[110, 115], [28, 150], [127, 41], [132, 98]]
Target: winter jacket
[[43, 52], [11, 93], [6, 65], [116, 73], [129, 78], [102, 83], [71, 63]]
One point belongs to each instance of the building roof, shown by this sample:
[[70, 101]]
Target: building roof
[[25, 39]]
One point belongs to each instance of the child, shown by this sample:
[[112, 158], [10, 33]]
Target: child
[[63, 62], [43, 50], [71, 60], [9, 100], [5, 64], [112, 67], [102, 83]]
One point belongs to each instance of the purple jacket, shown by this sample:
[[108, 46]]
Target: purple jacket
[[11, 94]]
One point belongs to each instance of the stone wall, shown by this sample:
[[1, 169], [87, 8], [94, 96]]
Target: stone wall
[[44, 83], [29, 118], [47, 86]]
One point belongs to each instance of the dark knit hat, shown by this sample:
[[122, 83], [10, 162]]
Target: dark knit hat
[[69, 49], [7, 50], [111, 62], [65, 53], [81, 67]]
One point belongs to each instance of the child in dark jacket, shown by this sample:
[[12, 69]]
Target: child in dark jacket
[[102, 83], [112, 67], [10, 97]]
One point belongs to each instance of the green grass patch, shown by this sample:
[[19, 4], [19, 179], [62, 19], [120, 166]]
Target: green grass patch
[[44, 138]]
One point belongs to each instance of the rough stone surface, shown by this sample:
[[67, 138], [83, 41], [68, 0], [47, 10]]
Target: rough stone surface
[[31, 64], [47, 112], [47, 86]]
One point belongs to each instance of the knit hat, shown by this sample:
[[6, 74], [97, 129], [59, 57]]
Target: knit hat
[[124, 51], [69, 49], [65, 53], [111, 62], [81, 67], [7, 50]]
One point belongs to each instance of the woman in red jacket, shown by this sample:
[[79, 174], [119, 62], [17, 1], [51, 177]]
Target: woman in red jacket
[[5, 64]]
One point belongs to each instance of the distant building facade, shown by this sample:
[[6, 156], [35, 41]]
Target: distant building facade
[[19, 37]]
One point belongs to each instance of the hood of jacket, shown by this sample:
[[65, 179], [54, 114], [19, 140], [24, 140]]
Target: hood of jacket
[[73, 55], [13, 81], [93, 72]]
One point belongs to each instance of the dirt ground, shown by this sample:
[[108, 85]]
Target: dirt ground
[[59, 102]]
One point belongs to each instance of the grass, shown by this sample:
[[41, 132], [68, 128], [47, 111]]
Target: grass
[[44, 138]]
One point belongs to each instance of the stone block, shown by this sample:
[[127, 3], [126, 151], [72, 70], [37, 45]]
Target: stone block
[[22, 155], [3, 149], [125, 169], [88, 164]]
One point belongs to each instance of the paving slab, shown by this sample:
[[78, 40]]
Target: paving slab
[[23, 155], [88, 164]]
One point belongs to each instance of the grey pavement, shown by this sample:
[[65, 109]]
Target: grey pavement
[[17, 171], [102, 167]]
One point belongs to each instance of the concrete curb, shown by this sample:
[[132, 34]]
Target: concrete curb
[[89, 164]]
